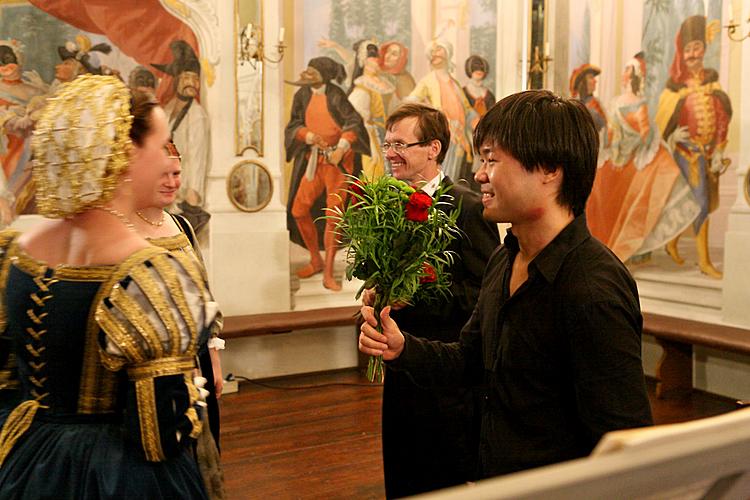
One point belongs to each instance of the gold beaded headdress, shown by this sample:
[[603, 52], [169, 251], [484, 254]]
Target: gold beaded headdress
[[81, 145]]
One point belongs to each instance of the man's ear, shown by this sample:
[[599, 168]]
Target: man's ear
[[552, 174], [435, 148]]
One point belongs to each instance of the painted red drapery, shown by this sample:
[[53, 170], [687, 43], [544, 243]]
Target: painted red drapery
[[142, 29]]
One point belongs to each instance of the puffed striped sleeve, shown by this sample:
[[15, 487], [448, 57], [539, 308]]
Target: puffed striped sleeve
[[154, 312]]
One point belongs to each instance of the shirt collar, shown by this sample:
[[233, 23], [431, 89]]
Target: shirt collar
[[551, 258], [430, 187], [319, 91]]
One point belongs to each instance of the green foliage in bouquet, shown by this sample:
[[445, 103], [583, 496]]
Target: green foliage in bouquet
[[397, 241]]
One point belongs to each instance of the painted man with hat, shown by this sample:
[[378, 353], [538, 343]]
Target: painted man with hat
[[441, 90], [79, 57], [325, 137], [693, 116], [190, 128], [582, 87]]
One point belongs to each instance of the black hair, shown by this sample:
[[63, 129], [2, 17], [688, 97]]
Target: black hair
[[7, 56], [542, 130]]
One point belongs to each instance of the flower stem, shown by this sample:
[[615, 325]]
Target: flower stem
[[376, 365]]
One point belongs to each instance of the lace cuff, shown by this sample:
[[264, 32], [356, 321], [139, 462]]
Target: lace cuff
[[216, 343]]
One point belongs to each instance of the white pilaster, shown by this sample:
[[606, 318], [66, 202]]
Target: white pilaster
[[736, 297]]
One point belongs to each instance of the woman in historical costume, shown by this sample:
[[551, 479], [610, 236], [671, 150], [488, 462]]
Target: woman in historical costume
[[174, 232], [104, 326], [639, 201], [366, 95], [479, 96]]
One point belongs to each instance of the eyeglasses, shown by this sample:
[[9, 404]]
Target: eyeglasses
[[399, 147], [172, 151]]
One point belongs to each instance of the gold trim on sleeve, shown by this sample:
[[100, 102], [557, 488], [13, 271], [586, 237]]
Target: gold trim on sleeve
[[169, 274], [148, 419], [147, 282], [135, 315], [161, 367]]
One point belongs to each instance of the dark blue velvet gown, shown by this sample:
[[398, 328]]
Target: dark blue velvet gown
[[105, 411]]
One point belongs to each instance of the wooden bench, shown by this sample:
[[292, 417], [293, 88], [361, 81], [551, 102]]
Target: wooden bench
[[253, 325], [677, 337]]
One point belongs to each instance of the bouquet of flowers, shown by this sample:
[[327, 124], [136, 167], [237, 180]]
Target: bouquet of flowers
[[397, 242]]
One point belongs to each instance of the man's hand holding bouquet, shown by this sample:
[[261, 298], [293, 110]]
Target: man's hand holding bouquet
[[397, 241]]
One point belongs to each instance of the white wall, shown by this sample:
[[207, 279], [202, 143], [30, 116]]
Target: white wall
[[249, 253]]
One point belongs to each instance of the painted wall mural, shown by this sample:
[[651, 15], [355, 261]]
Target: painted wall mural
[[663, 135], [46, 43], [360, 61]]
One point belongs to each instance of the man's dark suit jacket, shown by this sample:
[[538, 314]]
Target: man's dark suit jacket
[[428, 438]]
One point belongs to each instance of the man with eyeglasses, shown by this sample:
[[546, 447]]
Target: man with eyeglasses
[[427, 443]]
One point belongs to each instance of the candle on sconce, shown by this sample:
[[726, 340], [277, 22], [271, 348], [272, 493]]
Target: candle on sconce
[[731, 14], [281, 35], [546, 49]]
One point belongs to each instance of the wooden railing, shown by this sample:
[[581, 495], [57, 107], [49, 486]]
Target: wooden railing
[[677, 337], [253, 325]]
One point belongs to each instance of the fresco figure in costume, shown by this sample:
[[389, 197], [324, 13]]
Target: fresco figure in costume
[[78, 57], [393, 57], [17, 91], [442, 91], [479, 96], [325, 137], [347, 56], [693, 116], [366, 95], [141, 78], [640, 200], [582, 87], [190, 128]]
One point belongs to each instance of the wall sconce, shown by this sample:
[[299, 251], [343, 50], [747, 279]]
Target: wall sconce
[[732, 27], [251, 46], [538, 66]]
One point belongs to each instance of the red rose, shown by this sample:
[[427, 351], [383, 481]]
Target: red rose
[[416, 207], [357, 191], [430, 275], [357, 188]]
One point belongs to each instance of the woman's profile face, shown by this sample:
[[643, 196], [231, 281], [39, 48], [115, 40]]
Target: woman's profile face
[[627, 75], [150, 162]]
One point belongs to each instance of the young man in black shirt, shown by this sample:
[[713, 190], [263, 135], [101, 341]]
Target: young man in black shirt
[[555, 339], [427, 432]]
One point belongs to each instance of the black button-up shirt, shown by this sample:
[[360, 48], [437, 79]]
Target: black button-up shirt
[[558, 363]]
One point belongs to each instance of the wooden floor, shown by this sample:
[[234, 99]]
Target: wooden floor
[[324, 442]]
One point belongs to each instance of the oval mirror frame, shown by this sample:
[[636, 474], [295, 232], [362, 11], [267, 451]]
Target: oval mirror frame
[[746, 186], [250, 186]]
